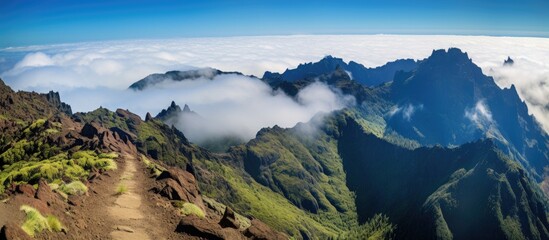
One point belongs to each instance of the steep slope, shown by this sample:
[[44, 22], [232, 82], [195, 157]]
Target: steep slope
[[359, 73], [30, 104], [39, 140], [339, 170], [303, 165], [470, 192], [448, 100]]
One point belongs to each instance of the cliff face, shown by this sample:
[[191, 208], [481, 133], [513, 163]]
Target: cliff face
[[54, 99]]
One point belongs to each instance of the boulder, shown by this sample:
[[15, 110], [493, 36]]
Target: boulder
[[172, 190], [259, 230], [25, 189], [124, 135], [229, 220], [187, 183], [89, 130], [11, 231], [45, 194], [198, 227]]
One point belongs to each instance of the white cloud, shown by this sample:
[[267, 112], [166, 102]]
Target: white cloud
[[228, 105], [117, 64], [37, 59], [480, 115], [407, 110]]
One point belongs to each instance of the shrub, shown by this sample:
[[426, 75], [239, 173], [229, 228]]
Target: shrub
[[89, 160], [53, 168], [191, 209], [111, 155], [106, 164], [74, 188], [35, 125]]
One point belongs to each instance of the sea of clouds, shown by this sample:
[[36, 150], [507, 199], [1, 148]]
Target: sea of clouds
[[89, 75]]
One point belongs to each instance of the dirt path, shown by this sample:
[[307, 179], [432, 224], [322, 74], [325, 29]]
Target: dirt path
[[131, 222]]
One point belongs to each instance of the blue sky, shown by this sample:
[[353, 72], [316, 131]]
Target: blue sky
[[25, 22]]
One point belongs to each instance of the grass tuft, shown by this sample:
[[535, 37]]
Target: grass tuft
[[54, 223], [191, 209], [74, 188], [121, 189], [35, 223]]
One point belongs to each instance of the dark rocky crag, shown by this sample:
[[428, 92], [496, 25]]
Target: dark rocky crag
[[158, 78]]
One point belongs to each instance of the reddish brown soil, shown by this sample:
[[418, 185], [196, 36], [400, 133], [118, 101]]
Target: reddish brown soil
[[91, 219]]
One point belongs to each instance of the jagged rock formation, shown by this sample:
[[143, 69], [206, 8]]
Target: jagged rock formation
[[171, 112], [55, 101], [29, 105], [508, 62]]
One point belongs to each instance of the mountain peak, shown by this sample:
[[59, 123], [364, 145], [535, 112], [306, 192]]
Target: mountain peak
[[508, 62], [172, 110], [454, 55], [186, 108], [148, 117], [361, 74]]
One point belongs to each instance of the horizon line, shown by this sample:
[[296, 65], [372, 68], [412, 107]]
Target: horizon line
[[546, 36]]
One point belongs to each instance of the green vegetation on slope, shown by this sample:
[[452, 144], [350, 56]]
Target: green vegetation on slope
[[54, 169], [233, 188], [376, 228], [302, 164], [470, 192]]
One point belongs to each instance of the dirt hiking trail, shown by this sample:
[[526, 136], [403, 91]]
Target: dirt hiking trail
[[126, 212]]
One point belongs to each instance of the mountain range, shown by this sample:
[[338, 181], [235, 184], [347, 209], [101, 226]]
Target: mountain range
[[433, 149]]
